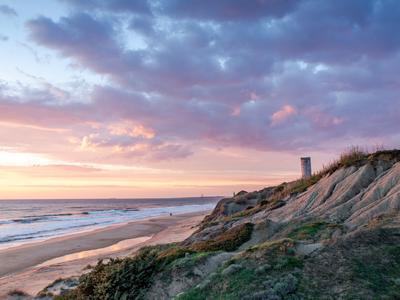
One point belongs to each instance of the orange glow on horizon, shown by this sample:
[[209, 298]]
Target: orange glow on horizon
[[33, 176]]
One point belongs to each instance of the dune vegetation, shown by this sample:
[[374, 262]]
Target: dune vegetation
[[335, 235]]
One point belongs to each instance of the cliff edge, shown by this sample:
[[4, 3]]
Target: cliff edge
[[335, 235]]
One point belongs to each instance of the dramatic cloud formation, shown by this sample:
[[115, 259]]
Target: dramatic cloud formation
[[181, 76], [224, 72]]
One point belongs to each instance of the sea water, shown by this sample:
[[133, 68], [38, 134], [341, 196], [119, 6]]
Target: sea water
[[23, 221]]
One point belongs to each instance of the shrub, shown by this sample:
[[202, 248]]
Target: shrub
[[355, 156], [127, 278], [307, 231], [229, 240], [169, 255]]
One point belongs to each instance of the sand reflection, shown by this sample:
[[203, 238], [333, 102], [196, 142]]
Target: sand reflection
[[120, 246]]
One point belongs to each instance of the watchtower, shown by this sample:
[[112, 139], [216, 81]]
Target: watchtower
[[305, 167]]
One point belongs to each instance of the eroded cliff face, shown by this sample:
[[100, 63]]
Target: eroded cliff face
[[333, 236], [351, 196], [348, 218]]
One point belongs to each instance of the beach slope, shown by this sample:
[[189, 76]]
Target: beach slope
[[29, 267]]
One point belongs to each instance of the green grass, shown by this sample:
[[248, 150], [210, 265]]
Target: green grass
[[186, 263], [279, 254], [269, 247], [307, 231], [229, 240], [235, 286], [379, 271], [242, 284], [170, 255], [287, 263]]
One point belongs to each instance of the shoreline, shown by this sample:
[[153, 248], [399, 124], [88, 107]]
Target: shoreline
[[46, 225], [31, 267]]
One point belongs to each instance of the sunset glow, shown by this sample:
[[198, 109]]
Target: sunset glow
[[161, 99]]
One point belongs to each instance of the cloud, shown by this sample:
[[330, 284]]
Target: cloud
[[127, 128], [154, 152], [36, 114], [226, 10], [127, 6], [135, 150], [7, 10], [266, 75], [83, 31], [283, 114]]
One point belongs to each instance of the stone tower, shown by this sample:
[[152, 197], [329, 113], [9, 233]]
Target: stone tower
[[305, 167]]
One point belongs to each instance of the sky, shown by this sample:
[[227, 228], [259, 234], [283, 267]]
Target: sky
[[173, 98]]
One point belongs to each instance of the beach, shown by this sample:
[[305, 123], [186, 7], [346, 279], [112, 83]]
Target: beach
[[31, 267]]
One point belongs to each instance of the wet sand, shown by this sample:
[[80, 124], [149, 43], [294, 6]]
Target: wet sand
[[33, 266]]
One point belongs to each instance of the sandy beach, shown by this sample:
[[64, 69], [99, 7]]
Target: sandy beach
[[32, 267]]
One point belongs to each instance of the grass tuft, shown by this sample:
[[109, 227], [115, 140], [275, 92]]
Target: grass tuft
[[229, 240]]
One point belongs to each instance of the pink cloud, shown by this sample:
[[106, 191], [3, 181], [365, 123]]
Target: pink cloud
[[129, 128], [282, 115]]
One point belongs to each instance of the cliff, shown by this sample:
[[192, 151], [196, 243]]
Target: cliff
[[335, 235]]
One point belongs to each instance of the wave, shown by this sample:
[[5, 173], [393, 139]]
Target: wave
[[45, 217], [41, 233], [28, 220], [51, 224], [99, 211], [39, 218], [50, 215]]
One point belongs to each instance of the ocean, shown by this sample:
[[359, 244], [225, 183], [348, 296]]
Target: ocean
[[24, 221]]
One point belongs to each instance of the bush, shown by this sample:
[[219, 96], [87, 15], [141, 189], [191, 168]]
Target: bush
[[307, 231], [169, 255], [127, 278], [229, 240], [355, 156]]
